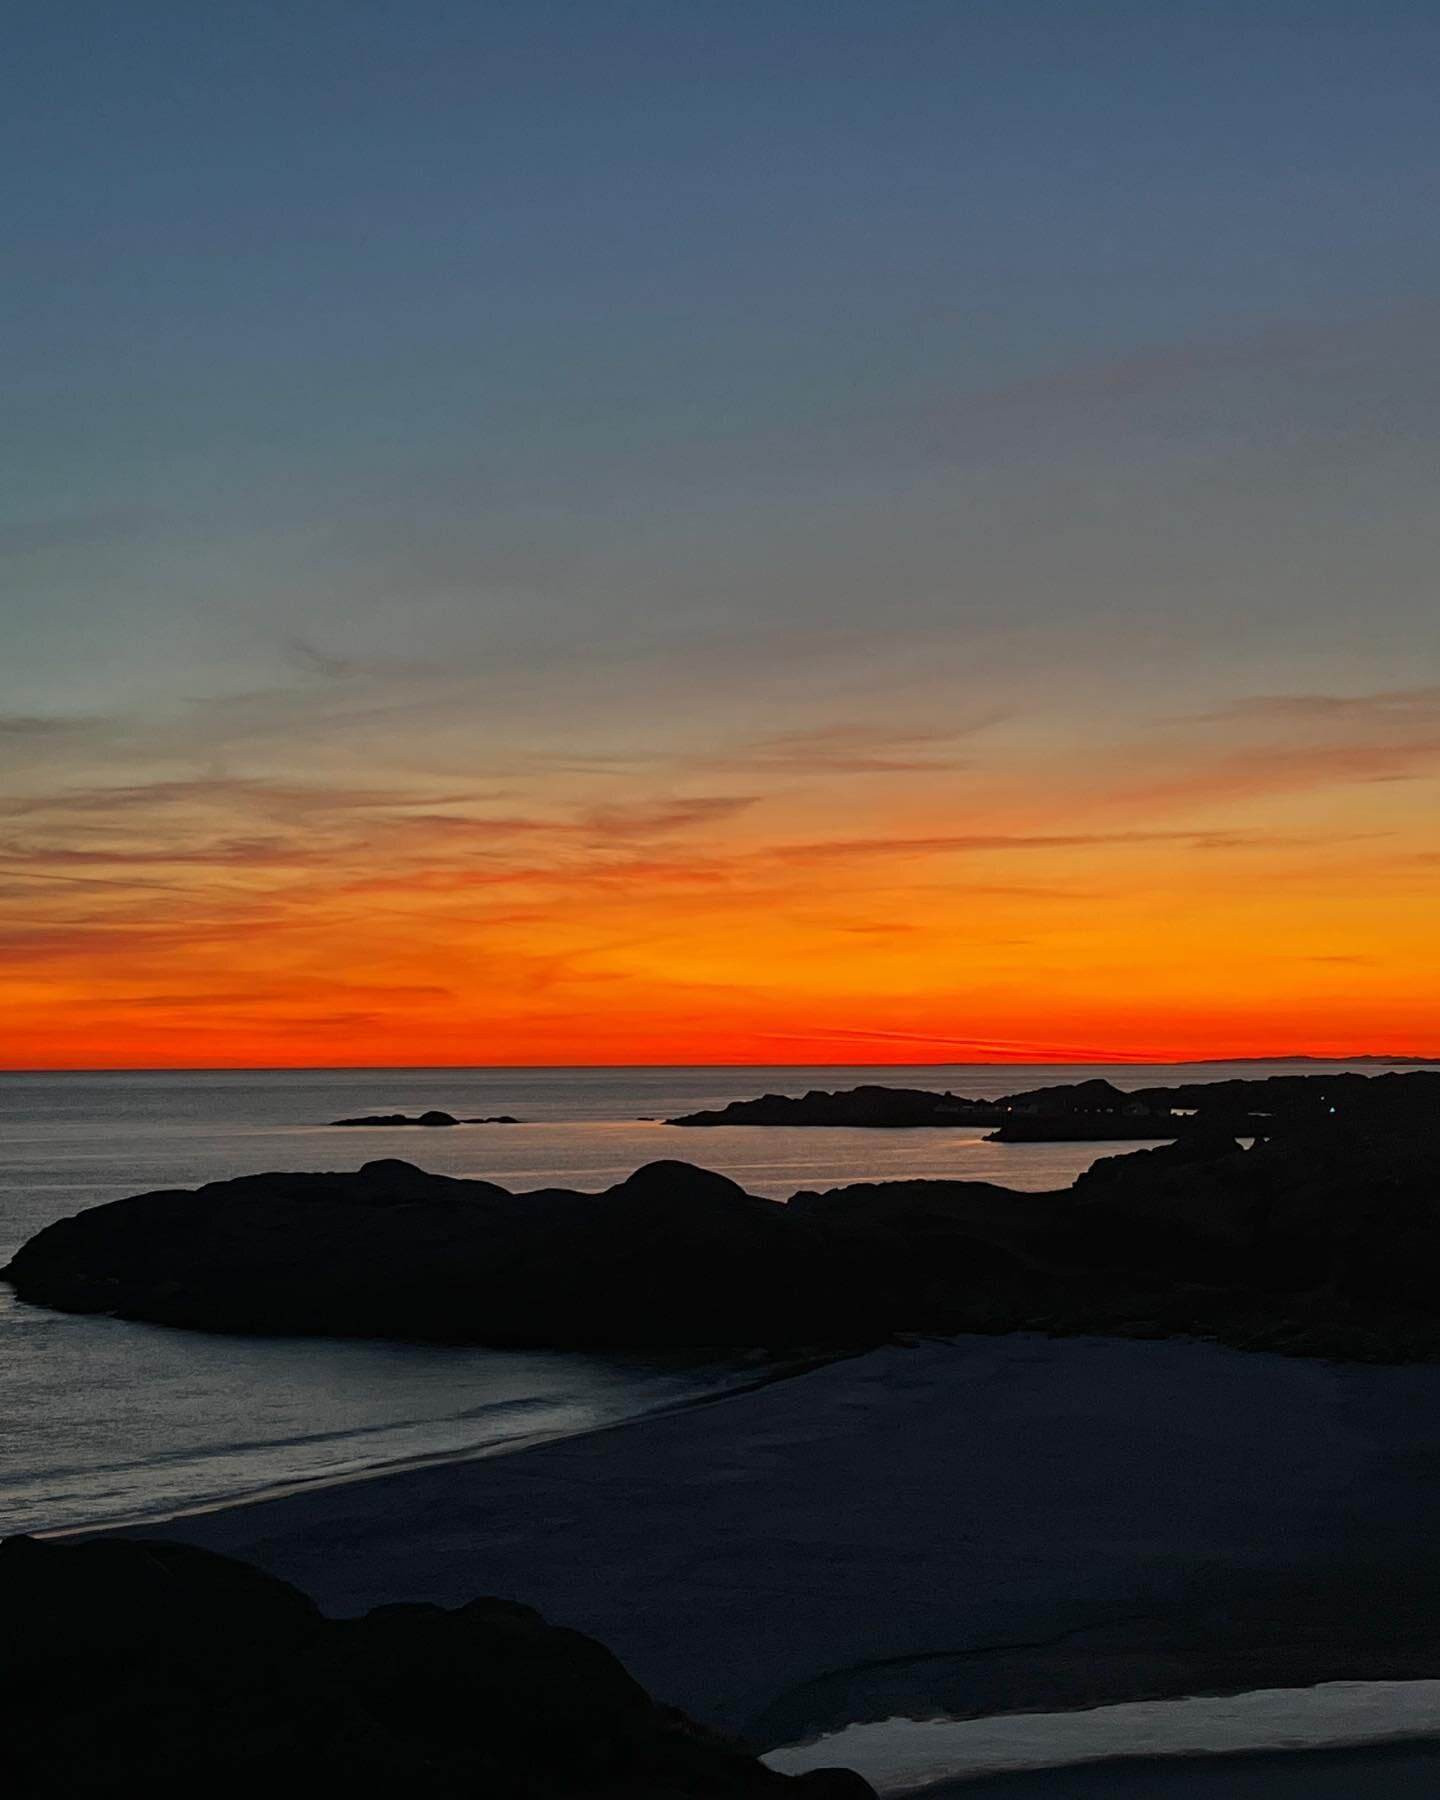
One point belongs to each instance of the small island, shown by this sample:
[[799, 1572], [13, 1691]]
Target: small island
[[390, 1119], [426, 1118]]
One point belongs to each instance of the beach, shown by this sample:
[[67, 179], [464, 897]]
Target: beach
[[952, 1528]]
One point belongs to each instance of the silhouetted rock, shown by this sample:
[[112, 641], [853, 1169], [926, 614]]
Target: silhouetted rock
[[147, 1668], [1322, 1238], [1096, 1109], [425, 1118], [674, 1255], [1408, 1100], [1201, 1146], [1086, 1128], [1093, 1096], [494, 1119], [876, 1107]]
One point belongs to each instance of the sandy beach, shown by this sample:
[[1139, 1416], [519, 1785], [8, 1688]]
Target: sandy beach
[[1006, 1524]]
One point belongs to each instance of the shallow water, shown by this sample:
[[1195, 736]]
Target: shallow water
[[102, 1419], [909, 1756]]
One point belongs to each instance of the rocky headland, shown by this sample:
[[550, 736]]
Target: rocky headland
[[1324, 1238], [1096, 1109], [875, 1107], [160, 1669]]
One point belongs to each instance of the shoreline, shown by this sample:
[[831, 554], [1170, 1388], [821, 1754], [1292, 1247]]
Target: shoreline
[[1010, 1524], [146, 1522]]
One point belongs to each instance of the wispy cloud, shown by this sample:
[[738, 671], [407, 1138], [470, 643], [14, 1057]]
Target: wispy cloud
[[35, 725], [980, 1046], [856, 749], [1291, 743], [652, 819], [984, 843], [1267, 360], [482, 886], [30, 537], [1416, 705], [259, 794]]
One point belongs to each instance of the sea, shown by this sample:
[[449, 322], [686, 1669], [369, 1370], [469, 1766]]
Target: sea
[[104, 1421]]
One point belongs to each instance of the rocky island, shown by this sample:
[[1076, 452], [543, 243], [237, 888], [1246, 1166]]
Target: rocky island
[[1323, 1237], [426, 1118], [872, 1106], [432, 1117]]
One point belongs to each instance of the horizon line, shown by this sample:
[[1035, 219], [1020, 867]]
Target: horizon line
[[1127, 1061]]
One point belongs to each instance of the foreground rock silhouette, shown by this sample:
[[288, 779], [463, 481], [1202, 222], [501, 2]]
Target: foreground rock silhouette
[[158, 1669], [1325, 1241]]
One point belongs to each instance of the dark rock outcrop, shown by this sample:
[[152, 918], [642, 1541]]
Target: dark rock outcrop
[[1094, 1110], [136, 1668], [425, 1118], [876, 1107], [1373, 1101], [1087, 1128], [1326, 1239], [674, 1255], [1095, 1096]]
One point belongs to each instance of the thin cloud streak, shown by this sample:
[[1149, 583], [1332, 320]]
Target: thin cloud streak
[[1421, 704], [613, 913]]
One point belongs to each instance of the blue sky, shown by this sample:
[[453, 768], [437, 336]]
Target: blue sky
[[625, 320]]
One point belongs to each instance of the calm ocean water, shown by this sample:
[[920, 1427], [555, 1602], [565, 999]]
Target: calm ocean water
[[104, 1420]]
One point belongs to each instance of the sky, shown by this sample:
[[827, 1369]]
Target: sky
[[630, 531]]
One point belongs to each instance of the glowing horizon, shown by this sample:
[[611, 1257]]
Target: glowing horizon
[[1190, 889]]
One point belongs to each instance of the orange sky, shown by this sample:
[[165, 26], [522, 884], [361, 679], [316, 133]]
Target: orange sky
[[1253, 877]]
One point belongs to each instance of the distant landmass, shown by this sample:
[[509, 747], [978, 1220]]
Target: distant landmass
[[1096, 1109], [1405, 1062]]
